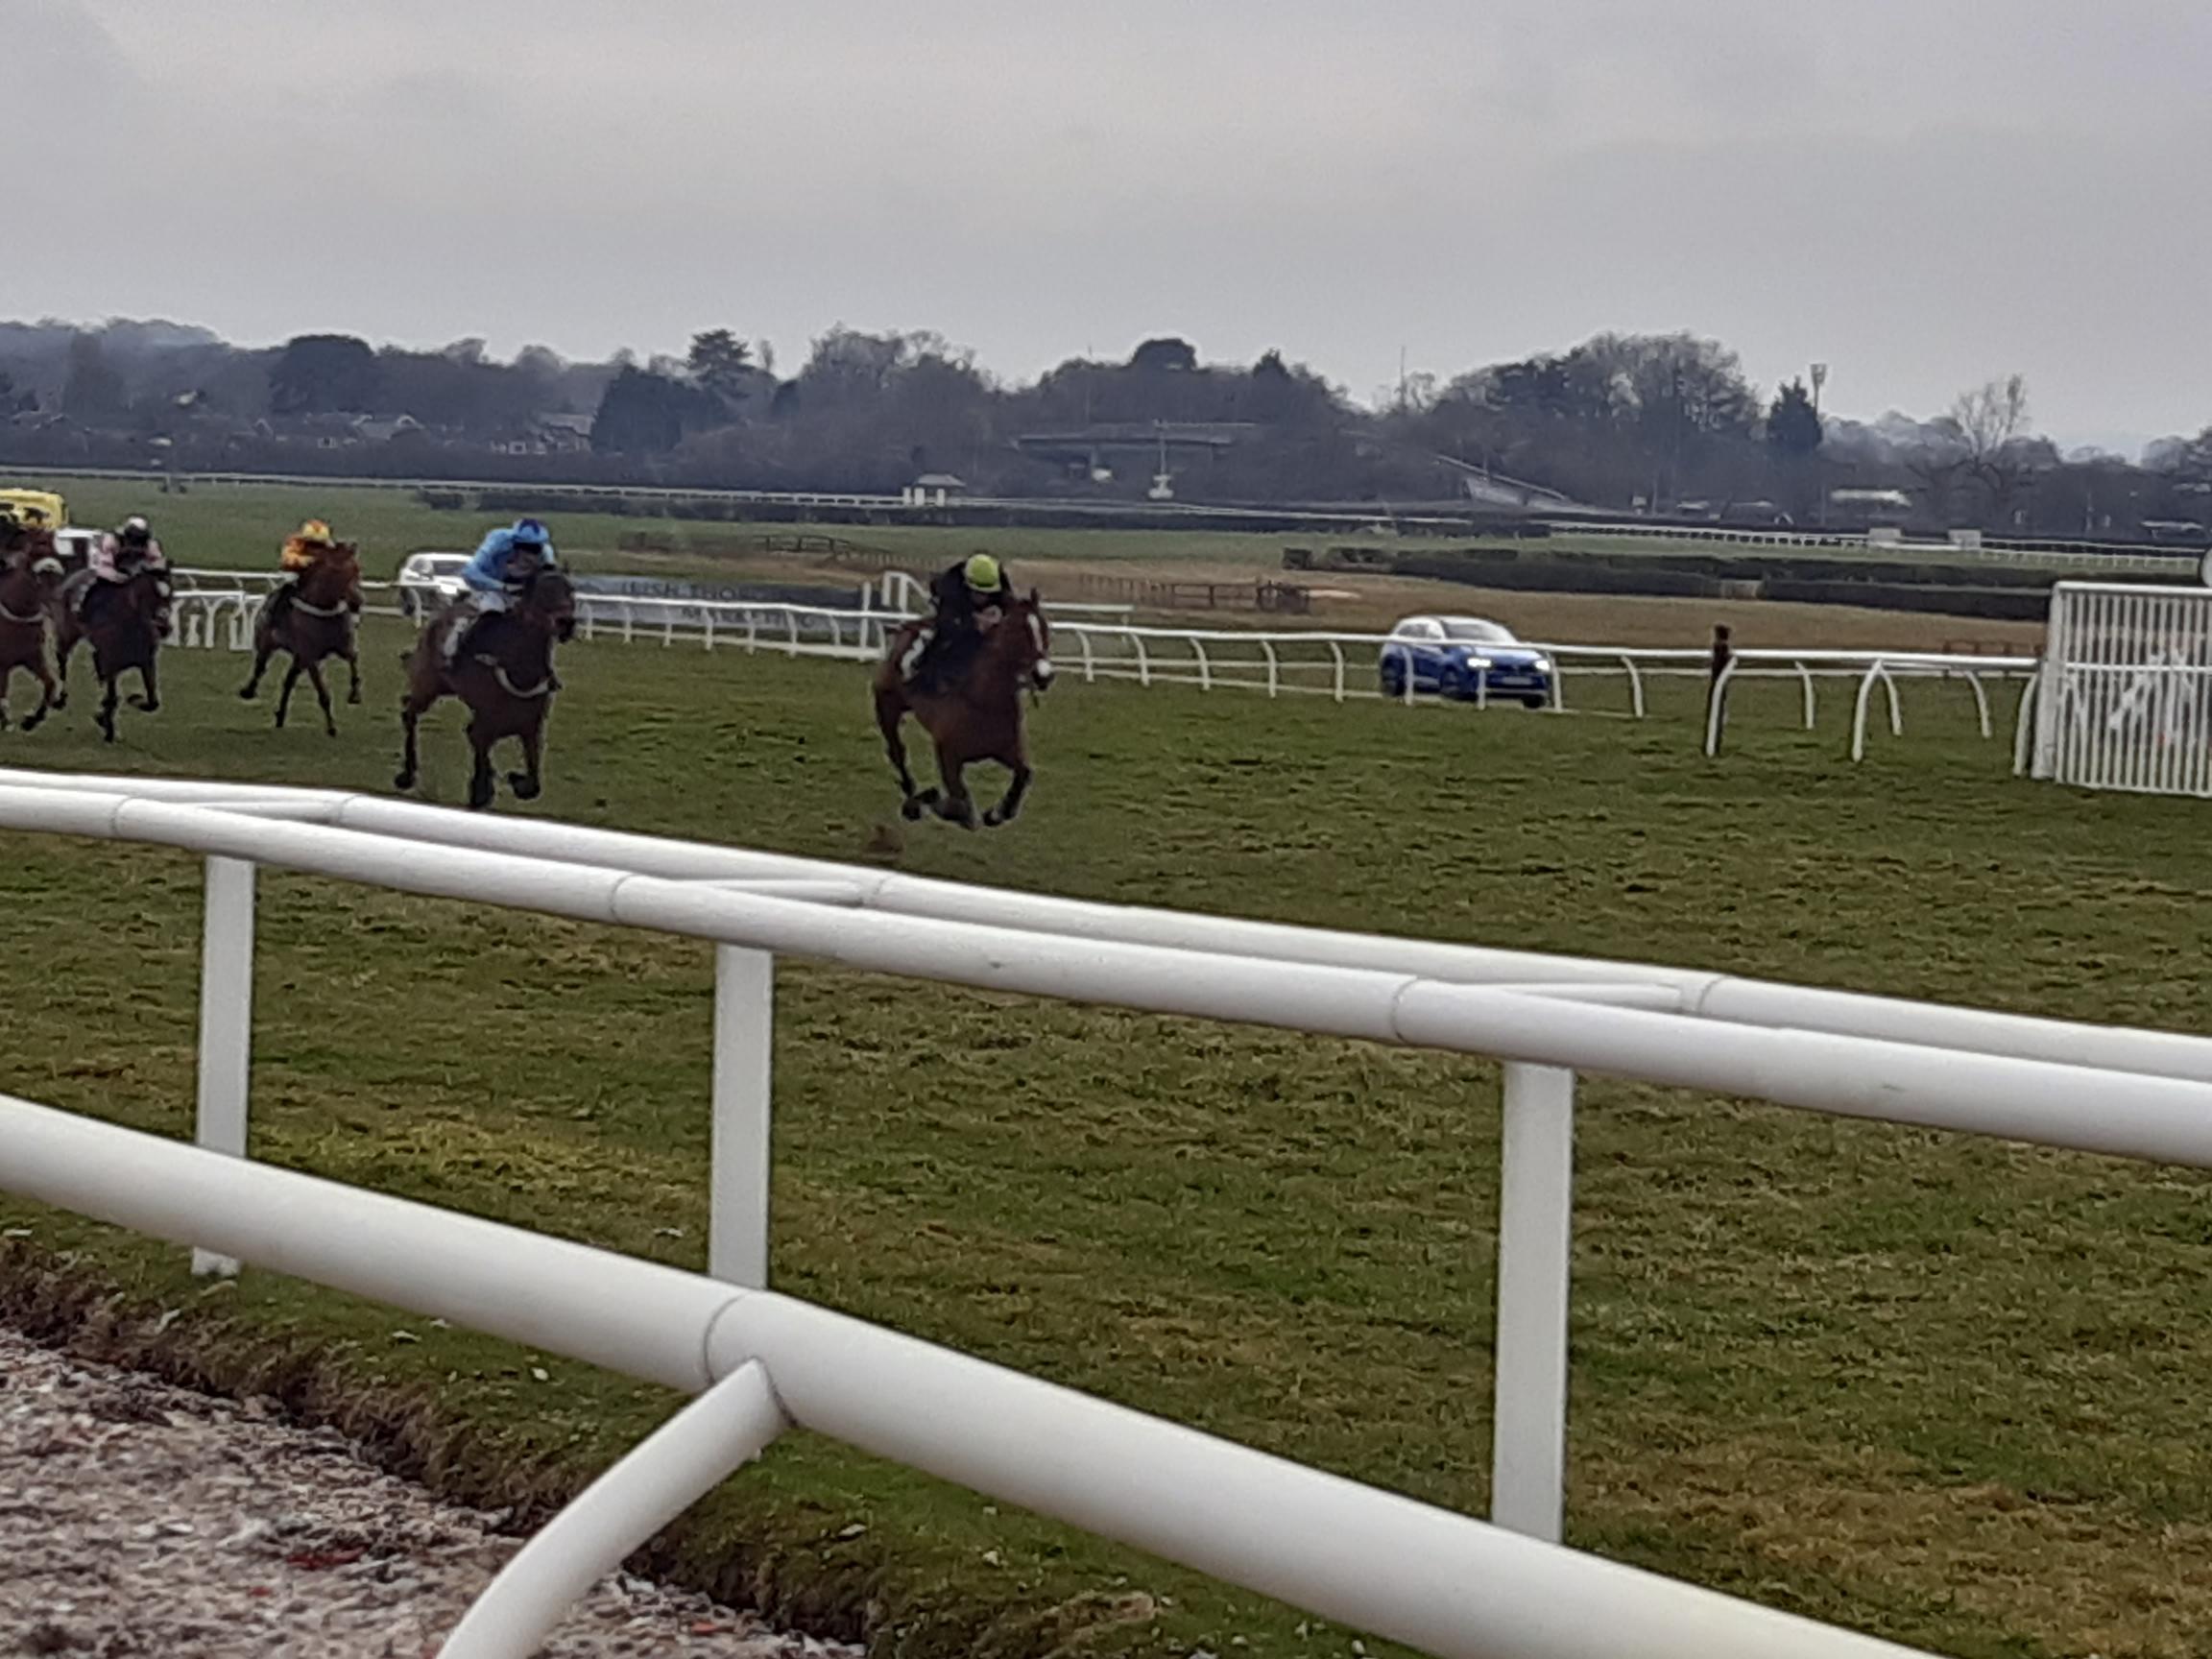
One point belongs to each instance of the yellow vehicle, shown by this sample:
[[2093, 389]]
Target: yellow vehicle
[[41, 509]]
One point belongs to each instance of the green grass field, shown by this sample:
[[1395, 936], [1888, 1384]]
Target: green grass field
[[1942, 1388]]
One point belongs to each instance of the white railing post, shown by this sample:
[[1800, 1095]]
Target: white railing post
[[226, 1023], [737, 1174], [1535, 1244]]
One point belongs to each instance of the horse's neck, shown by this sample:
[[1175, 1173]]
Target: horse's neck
[[525, 641], [326, 585], [18, 588]]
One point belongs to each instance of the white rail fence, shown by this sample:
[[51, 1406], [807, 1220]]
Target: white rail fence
[[2126, 697], [1297, 662], [1359, 1557]]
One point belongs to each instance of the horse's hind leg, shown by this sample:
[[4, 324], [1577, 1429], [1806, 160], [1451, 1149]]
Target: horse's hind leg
[[285, 693], [61, 674], [108, 707], [353, 668], [526, 782], [7, 679], [264, 650]]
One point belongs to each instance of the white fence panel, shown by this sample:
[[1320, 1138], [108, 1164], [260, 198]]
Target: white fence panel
[[2124, 701]]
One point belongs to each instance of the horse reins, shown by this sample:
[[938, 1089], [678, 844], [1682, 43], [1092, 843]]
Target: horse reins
[[499, 673]]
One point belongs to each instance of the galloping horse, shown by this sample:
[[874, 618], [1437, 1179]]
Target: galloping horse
[[317, 622], [977, 718], [128, 622], [506, 679], [29, 573]]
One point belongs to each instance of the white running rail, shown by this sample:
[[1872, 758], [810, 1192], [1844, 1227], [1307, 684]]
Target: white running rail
[[1353, 1555], [216, 612]]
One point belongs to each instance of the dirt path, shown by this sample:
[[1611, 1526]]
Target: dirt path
[[144, 1521]]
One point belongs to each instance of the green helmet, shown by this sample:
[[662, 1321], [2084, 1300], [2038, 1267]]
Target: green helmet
[[983, 573]]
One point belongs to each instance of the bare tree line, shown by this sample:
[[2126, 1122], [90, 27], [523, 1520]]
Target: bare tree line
[[1668, 424]]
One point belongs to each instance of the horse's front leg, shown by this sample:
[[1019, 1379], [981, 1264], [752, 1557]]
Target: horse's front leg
[[107, 695], [481, 787], [7, 679], [955, 807], [890, 712], [527, 784], [285, 693], [49, 698], [353, 667], [61, 674], [411, 708], [1011, 803], [151, 701], [323, 696]]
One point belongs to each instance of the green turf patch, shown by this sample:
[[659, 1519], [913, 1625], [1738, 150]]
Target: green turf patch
[[1937, 1387]]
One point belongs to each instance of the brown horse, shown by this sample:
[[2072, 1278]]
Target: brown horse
[[505, 678], [977, 716], [313, 621], [29, 573], [126, 622]]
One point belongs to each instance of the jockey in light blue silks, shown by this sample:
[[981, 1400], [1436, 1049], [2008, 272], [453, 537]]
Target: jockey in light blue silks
[[503, 561]]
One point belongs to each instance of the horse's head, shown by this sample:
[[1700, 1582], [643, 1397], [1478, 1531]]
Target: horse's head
[[1022, 638], [549, 599], [147, 593]]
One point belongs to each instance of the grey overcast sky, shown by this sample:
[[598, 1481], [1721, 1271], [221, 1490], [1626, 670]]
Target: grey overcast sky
[[1924, 192]]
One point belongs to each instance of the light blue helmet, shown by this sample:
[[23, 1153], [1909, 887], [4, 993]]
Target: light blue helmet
[[530, 533]]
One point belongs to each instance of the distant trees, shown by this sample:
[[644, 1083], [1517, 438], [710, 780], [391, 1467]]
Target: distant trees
[[645, 413], [1659, 422], [1166, 355], [324, 373], [1992, 422], [1793, 427], [93, 393]]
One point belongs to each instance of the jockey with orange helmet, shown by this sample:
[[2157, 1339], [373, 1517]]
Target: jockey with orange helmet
[[302, 548], [960, 592]]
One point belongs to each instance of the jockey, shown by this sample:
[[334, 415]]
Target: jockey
[[119, 555], [302, 548], [960, 592], [503, 560]]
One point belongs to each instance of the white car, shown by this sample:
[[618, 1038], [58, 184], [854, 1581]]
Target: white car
[[428, 581]]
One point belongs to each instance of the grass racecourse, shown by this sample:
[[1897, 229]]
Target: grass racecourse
[[1942, 1388]]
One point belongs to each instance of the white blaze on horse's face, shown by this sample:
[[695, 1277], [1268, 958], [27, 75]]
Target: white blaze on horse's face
[[1041, 675]]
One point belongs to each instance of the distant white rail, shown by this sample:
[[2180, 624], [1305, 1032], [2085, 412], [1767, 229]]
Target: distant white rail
[[1415, 1575]]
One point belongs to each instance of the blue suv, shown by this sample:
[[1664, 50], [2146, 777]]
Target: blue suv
[[1465, 657]]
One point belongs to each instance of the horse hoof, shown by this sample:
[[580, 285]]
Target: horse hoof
[[525, 787], [993, 818], [403, 780], [246, 693], [910, 809]]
